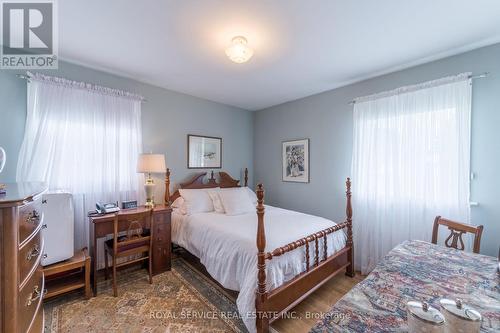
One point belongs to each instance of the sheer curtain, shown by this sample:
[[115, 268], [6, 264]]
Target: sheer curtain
[[84, 139], [411, 162]]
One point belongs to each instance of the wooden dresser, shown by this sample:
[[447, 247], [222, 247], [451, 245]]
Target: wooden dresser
[[21, 248]]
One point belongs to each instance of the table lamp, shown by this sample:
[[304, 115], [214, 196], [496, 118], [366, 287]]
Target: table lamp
[[150, 163]]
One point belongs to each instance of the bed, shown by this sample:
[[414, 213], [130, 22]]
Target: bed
[[272, 270], [417, 270]]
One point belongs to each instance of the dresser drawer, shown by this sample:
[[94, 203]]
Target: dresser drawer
[[30, 216], [30, 300], [38, 323], [28, 256]]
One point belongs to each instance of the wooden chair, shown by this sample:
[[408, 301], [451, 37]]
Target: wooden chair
[[138, 240], [457, 229]]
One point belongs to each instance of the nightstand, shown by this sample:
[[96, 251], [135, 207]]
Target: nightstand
[[162, 240]]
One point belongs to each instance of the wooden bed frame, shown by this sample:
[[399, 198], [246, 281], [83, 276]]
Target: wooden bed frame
[[270, 305]]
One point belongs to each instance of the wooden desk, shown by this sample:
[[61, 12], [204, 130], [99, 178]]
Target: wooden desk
[[101, 226]]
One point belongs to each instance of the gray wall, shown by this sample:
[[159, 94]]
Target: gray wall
[[167, 118], [326, 119]]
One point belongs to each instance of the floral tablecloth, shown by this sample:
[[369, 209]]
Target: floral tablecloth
[[417, 270]]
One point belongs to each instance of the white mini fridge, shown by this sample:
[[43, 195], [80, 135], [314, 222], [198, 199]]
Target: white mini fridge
[[58, 216]]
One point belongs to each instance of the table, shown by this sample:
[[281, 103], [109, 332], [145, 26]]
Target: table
[[101, 226], [417, 270]]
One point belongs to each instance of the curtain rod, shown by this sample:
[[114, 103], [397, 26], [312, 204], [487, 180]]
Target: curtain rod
[[473, 77], [26, 77]]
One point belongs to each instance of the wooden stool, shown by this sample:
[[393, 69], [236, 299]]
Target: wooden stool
[[68, 275]]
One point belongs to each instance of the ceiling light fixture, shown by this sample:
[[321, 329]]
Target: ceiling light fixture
[[239, 52]]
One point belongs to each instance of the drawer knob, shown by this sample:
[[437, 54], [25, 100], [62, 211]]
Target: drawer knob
[[35, 295], [44, 226], [33, 253], [33, 217]]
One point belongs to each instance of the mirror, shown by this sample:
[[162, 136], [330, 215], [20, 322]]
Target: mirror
[[3, 158]]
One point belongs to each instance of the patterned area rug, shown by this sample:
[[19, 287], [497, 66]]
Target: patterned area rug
[[181, 300]]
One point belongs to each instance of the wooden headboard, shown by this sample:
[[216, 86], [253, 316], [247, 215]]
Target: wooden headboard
[[225, 181]]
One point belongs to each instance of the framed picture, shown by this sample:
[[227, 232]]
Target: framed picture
[[295, 155], [204, 152]]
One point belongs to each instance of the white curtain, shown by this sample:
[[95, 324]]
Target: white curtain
[[84, 139], [411, 162]]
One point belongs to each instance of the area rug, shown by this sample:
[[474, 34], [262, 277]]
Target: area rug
[[181, 300]]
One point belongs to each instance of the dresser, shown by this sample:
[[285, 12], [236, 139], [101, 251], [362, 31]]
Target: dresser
[[21, 249]]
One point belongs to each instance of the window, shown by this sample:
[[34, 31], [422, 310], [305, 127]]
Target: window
[[84, 139], [411, 162]]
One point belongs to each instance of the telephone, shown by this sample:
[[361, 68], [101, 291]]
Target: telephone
[[107, 208]]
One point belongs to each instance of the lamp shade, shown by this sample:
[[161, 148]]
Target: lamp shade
[[151, 163]]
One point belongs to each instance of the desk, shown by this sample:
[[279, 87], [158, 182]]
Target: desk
[[101, 226]]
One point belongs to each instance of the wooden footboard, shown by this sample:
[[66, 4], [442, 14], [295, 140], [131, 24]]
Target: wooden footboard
[[270, 304]]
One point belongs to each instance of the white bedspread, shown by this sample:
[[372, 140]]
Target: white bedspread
[[226, 245]]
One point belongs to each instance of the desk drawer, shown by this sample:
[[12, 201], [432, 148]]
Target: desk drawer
[[161, 233], [161, 258], [30, 300], [30, 216], [28, 255], [162, 217]]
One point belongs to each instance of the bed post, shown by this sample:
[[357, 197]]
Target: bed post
[[246, 177], [349, 243], [262, 319], [167, 188]]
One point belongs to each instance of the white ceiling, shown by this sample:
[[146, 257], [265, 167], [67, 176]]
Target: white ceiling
[[301, 47]]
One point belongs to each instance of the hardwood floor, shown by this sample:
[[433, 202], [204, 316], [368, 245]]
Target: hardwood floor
[[311, 310], [305, 315]]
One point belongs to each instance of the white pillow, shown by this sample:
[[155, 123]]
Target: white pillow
[[179, 206], [178, 203], [253, 196], [197, 201], [251, 193], [218, 207], [236, 201]]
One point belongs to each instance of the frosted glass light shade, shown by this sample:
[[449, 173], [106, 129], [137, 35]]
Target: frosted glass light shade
[[151, 163], [239, 52]]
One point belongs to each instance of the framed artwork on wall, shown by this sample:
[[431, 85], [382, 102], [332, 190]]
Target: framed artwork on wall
[[204, 152], [295, 161]]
